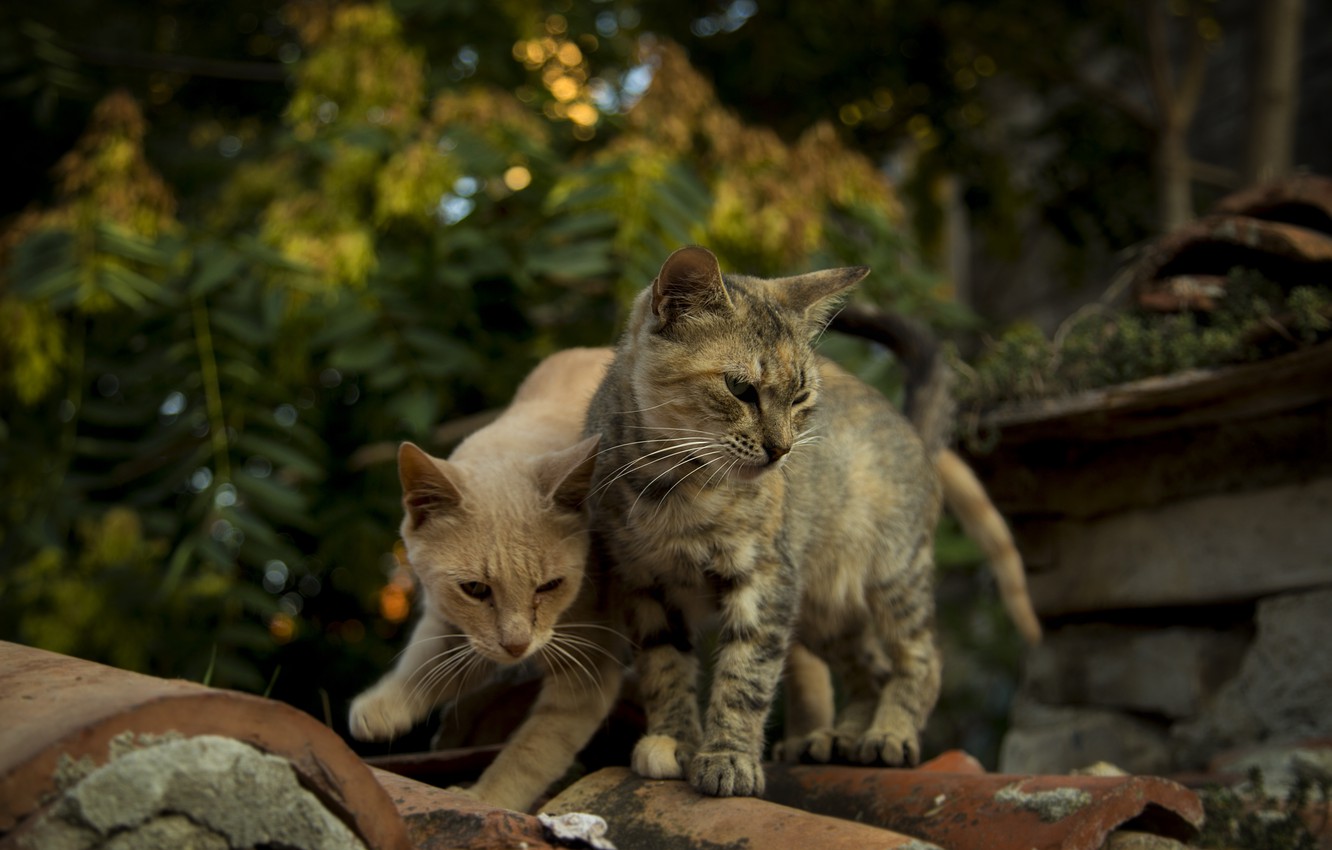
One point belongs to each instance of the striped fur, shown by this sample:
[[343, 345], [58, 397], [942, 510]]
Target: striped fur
[[930, 407], [744, 477]]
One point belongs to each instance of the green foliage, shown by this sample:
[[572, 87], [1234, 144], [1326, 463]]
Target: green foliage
[[1254, 319], [201, 368], [1252, 817]]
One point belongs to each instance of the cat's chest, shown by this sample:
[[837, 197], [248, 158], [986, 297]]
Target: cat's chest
[[689, 537]]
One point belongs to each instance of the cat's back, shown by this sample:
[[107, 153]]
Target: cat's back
[[866, 451], [567, 376], [547, 411]]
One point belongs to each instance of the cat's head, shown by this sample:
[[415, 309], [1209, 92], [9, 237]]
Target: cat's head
[[500, 554], [725, 365]]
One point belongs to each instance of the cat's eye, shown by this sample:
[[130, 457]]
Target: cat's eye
[[475, 589], [550, 585], [742, 389], [801, 398]]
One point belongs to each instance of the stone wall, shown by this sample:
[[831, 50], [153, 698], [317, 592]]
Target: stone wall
[[1178, 536]]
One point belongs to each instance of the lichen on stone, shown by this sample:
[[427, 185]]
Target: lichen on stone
[[1051, 806], [166, 791]]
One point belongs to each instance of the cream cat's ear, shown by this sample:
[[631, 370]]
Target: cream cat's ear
[[689, 281], [427, 490], [565, 476], [814, 294]]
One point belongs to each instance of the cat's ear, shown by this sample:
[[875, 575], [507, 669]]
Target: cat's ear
[[427, 489], [565, 476], [815, 294], [690, 281]]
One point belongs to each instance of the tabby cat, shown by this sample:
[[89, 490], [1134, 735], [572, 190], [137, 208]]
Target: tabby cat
[[498, 541], [744, 476]]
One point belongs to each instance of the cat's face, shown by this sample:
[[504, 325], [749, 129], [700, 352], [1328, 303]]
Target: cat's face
[[727, 373], [499, 557]]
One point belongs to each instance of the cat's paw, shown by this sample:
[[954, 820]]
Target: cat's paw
[[818, 747], [896, 744], [380, 714], [659, 757], [726, 773]]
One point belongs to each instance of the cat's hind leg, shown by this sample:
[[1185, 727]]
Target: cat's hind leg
[[902, 614], [809, 701], [861, 667]]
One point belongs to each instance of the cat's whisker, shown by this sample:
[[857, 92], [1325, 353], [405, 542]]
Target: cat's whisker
[[576, 666], [681, 430], [826, 325], [593, 677], [715, 459], [419, 641], [438, 659], [721, 469], [643, 409], [576, 640], [438, 670], [668, 471], [616, 632], [675, 443], [647, 460]]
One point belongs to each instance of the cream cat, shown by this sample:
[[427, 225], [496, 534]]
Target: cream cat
[[498, 542], [743, 476]]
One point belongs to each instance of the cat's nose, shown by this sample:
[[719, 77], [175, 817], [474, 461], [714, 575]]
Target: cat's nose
[[775, 453], [517, 649]]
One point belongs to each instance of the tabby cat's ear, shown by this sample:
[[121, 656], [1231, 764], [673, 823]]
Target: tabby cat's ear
[[814, 294], [427, 489], [690, 281], [565, 476]]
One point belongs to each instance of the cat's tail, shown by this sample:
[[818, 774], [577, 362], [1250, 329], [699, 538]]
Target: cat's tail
[[930, 406]]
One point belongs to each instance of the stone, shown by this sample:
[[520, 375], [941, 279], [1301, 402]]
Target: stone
[[1217, 549], [1050, 739], [1283, 690], [1170, 672], [229, 794]]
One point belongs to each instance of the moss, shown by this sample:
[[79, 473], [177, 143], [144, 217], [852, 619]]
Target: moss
[[1250, 816], [1100, 347]]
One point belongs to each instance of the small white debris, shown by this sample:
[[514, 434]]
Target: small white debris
[[579, 827]]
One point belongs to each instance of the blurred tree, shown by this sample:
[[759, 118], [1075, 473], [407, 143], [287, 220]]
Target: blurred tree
[[340, 230], [1076, 109]]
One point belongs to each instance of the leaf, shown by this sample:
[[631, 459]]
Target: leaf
[[122, 243], [362, 355], [417, 407], [572, 262], [240, 327], [214, 266], [128, 286], [280, 454], [280, 503]]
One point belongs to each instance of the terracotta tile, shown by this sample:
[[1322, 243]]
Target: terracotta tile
[[437, 818], [953, 761], [665, 815], [56, 707], [970, 811]]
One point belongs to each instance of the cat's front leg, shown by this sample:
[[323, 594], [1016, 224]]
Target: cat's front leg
[[668, 685], [757, 615], [572, 704], [422, 679]]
